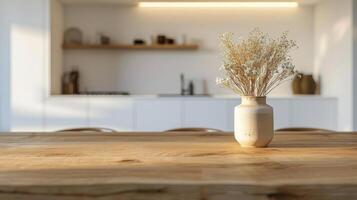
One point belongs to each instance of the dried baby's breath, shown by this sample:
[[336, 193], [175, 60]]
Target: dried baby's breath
[[256, 65]]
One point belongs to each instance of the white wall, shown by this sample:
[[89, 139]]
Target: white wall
[[4, 69], [24, 56], [24, 41], [354, 25], [334, 55], [148, 72]]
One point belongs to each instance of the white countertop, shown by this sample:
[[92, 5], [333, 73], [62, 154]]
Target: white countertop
[[191, 97]]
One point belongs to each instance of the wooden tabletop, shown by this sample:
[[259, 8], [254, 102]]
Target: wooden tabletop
[[176, 166]]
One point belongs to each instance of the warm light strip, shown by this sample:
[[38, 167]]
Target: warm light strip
[[218, 4]]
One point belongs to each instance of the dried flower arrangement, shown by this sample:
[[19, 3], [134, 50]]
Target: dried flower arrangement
[[258, 64]]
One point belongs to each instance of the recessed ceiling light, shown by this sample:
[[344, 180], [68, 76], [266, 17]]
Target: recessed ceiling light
[[218, 4]]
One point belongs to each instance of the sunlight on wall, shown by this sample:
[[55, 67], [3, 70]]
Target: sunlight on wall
[[322, 47], [341, 28], [333, 56], [27, 86]]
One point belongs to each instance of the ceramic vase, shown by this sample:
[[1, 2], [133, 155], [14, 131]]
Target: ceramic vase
[[254, 122], [296, 84], [308, 84]]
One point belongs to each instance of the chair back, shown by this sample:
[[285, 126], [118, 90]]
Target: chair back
[[206, 130], [303, 129], [94, 129]]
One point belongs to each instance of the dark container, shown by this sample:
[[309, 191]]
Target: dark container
[[308, 84], [296, 84], [161, 39], [70, 82], [104, 40], [191, 88], [139, 42], [170, 41]]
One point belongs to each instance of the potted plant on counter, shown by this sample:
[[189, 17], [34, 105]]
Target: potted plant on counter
[[252, 68]]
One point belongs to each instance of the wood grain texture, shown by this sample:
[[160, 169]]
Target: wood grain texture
[[176, 166]]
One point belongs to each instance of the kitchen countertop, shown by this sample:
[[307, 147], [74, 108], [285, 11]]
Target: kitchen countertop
[[176, 166], [193, 97]]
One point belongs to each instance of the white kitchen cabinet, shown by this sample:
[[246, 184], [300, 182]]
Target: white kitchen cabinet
[[158, 114], [111, 112], [207, 113], [230, 106], [282, 112], [314, 112], [66, 112]]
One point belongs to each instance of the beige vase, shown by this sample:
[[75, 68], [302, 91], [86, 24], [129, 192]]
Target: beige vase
[[254, 122]]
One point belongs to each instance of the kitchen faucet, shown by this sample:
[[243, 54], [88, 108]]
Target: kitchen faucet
[[184, 91]]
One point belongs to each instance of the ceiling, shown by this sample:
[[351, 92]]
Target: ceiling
[[133, 2]]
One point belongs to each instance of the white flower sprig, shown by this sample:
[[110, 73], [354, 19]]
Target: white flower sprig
[[256, 65]]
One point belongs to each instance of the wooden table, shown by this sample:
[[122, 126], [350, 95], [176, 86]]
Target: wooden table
[[176, 166]]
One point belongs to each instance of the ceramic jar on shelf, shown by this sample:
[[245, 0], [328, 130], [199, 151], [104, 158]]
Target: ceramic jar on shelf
[[304, 84]]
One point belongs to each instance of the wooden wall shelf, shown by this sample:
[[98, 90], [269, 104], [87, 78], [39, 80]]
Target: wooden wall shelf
[[138, 47]]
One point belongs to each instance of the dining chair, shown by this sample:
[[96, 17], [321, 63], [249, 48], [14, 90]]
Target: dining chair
[[303, 129], [92, 129], [206, 130]]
